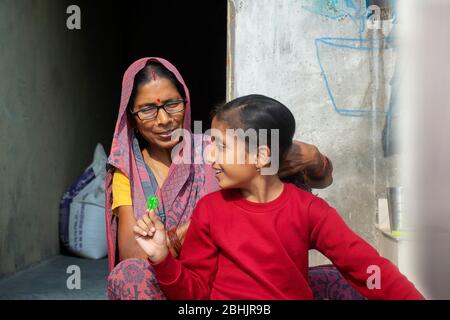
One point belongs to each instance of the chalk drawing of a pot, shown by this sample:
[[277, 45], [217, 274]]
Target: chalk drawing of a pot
[[346, 69]]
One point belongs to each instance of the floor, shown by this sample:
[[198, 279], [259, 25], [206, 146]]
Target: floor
[[48, 281]]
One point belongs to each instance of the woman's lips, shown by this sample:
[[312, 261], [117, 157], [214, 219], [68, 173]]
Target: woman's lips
[[166, 134]]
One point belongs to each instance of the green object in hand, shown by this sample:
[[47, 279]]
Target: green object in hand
[[152, 203]]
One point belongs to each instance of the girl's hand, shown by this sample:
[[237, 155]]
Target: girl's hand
[[150, 234]]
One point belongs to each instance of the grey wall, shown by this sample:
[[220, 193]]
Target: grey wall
[[272, 51], [56, 102]]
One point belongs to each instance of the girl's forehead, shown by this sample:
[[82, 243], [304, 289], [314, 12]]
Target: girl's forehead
[[221, 132], [221, 129], [220, 125]]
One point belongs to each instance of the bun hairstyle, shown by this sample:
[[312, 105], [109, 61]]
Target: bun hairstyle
[[257, 112]]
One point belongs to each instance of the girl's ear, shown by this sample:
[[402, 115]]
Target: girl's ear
[[263, 158]]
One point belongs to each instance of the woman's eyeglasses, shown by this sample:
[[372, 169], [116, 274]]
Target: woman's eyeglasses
[[150, 112]]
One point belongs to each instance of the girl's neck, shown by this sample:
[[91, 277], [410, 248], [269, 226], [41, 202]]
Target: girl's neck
[[263, 189]]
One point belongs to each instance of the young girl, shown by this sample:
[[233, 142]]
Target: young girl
[[250, 240]]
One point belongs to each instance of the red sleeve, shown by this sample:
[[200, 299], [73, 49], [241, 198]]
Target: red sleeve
[[191, 277], [357, 261]]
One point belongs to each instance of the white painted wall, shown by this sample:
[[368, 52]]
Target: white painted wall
[[272, 51]]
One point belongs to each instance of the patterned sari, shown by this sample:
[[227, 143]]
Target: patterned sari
[[185, 184]]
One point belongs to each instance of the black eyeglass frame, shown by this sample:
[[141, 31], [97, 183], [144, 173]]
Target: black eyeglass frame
[[163, 106]]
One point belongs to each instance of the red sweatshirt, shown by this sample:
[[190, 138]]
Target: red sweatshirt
[[236, 249]]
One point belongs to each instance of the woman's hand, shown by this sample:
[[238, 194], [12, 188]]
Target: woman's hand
[[306, 160], [150, 235], [301, 157], [182, 230], [175, 238]]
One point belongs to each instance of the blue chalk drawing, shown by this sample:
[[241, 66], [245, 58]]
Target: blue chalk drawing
[[350, 44], [332, 9], [356, 10]]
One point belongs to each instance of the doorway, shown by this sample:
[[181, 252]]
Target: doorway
[[190, 34]]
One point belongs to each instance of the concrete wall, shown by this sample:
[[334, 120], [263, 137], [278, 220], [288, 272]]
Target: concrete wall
[[272, 51], [54, 106]]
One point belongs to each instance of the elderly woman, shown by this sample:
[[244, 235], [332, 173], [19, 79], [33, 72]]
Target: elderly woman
[[155, 102]]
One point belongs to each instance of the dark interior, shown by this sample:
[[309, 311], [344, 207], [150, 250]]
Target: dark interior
[[191, 35]]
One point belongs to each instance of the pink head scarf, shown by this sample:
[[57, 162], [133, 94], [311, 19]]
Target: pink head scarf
[[185, 183]]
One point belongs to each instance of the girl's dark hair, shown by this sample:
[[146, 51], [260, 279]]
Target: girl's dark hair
[[144, 76], [260, 112]]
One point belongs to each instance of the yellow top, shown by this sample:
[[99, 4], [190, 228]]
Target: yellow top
[[121, 191]]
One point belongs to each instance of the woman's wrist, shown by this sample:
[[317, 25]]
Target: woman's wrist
[[174, 241]]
